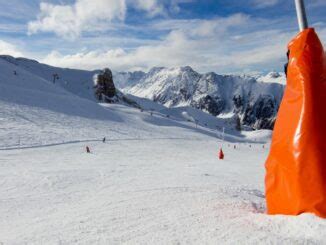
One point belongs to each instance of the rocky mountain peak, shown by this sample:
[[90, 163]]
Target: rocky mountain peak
[[255, 100]]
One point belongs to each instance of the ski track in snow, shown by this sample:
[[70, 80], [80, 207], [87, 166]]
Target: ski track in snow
[[86, 141]]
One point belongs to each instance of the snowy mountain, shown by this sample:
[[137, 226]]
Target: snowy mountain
[[272, 77], [255, 100], [77, 82], [124, 80], [36, 110], [251, 99]]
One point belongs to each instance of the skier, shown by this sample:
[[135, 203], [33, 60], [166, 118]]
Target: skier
[[104, 139], [88, 150]]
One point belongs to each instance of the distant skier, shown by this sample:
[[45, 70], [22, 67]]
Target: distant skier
[[104, 139], [88, 150]]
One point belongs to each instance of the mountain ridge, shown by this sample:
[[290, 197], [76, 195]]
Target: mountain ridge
[[254, 101], [251, 99]]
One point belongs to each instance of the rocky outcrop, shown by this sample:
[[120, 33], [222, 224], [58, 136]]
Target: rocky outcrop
[[104, 86], [105, 90]]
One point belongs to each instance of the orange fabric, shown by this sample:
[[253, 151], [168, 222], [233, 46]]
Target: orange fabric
[[296, 167]]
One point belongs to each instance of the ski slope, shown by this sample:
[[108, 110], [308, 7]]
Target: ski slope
[[156, 179], [143, 191]]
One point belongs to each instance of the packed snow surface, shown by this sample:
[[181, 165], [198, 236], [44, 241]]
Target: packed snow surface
[[155, 180]]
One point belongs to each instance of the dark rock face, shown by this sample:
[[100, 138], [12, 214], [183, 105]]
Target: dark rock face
[[104, 86], [185, 95], [238, 102], [214, 106], [258, 114], [106, 91], [265, 110]]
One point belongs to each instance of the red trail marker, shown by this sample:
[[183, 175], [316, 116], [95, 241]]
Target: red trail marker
[[221, 154]]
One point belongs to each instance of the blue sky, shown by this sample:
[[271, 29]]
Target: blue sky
[[234, 36]]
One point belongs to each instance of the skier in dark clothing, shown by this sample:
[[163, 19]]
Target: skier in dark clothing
[[88, 150]]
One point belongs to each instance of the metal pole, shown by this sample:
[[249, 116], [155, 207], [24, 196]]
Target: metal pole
[[301, 13]]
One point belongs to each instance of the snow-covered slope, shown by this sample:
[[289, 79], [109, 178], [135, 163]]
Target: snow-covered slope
[[254, 100], [77, 88], [36, 111], [143, 191], [78, 82], [21, 87], [156, 179]]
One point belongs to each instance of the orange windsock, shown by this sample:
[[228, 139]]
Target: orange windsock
[[296, 167]]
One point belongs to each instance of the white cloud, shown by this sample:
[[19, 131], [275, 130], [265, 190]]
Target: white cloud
[[169, 52], [153, 7], [205, 45], [9, 49], [199, 28], [69, 21], [220, 25], [264, 3]]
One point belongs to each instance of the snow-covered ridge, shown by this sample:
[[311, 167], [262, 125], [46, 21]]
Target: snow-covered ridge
[[78, 82], [254, 99], [36, 110], [127, 79]]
